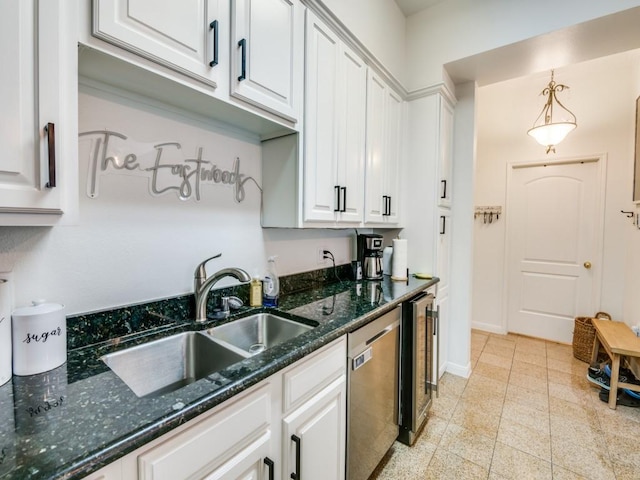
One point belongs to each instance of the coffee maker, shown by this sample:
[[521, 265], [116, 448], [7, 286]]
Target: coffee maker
[[369, 249]]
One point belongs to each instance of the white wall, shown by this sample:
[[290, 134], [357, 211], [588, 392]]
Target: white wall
[[456, 29], [602, 96], [380, 26], [131, 247], [631, 307]]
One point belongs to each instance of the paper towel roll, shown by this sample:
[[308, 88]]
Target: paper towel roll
[[399, 262], [5, 331]]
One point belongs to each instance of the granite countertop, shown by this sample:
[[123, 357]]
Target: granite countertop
[[90, 418]]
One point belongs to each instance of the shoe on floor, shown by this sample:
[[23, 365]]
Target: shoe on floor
[[623, 399], [625, 376], [598, 377]]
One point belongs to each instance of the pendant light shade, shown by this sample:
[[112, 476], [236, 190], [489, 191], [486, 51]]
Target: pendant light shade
[[555, 120]]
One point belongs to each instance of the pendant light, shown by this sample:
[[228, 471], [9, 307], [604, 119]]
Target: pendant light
[[555, 120]]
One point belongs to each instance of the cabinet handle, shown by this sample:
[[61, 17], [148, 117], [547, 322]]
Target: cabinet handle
[[344, 199], [444, 189], [51, 145], [243, 46], [389, 205], [214, 26], [443, 224], [336, 191], [297, 441], [384, 205], [269, 463]]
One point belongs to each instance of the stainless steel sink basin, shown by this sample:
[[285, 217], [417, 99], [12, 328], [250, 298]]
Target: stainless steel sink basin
[[170, 363], [257, 332]]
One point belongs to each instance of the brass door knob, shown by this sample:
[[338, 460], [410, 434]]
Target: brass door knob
[[587, 265]]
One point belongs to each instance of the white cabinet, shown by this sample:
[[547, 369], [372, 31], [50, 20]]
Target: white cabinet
[[188, 37], [249, 436], [38, 178], [445, 154], [242, 53], [384, 126], [267, 38], [314, 436], [335, 113], [443, 267], [112, 471], [428, 217]]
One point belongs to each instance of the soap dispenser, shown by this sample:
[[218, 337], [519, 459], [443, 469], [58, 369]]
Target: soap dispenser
[[270, 284], [255, 291]]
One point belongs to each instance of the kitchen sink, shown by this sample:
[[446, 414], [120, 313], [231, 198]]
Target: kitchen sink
[[170, 363], [255, 333]]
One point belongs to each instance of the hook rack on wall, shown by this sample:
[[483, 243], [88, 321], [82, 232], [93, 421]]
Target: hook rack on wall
[[488, 214]]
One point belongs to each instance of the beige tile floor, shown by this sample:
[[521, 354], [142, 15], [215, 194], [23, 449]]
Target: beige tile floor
[[526, 412]]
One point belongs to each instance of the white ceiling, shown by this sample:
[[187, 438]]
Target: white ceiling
[[597, 38], [409, 7]]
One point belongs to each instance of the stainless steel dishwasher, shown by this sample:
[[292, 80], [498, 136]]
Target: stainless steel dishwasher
[[372, 418]]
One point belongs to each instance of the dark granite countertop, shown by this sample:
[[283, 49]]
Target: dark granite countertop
[[91, 418]]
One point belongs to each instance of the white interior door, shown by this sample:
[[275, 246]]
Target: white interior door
[[554, 227]]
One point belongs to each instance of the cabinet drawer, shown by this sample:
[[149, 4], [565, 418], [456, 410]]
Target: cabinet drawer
[[312, 374], [201, 449]]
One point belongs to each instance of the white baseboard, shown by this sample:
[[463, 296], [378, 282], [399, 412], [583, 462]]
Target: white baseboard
[[459, 370], [489, 327]]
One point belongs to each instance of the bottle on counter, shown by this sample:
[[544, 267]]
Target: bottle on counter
[[270, 285], [255, 291]]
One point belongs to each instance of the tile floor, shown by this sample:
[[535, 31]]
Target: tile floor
[[526, 412]]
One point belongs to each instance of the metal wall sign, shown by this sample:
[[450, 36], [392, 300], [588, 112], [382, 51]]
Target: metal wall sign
[[167, 166]]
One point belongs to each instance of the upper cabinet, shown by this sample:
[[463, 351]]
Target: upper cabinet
[[191, 38], [335, 113], [38, 179], [445, 164], [245, 53], [267, 38], [384, 151]]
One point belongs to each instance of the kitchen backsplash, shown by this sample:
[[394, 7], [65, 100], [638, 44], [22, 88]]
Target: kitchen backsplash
[[114, 324]]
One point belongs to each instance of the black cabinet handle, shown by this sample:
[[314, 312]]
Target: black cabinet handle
[[444, 189], [443, 224], [336, 191], [243, 46], [344, 199], [269, 463], [389, 205], [214, 26], [49, 129], [296, 475], [384, 205]]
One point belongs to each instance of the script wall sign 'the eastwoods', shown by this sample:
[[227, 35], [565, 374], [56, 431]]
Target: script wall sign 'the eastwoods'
[[165, 164]]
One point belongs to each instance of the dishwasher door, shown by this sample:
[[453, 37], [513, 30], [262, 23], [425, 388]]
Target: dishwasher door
[[372, 418]]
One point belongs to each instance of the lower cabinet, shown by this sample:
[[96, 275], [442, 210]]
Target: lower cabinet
[[291, 422], [314, 436]]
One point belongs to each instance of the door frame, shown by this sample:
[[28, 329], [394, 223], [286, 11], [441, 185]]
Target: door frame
[[601, 177]]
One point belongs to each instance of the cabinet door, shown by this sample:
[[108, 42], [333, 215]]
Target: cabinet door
[[234, 439], [351, 135], [267, 54], [443, 249], [189, 37], [320, 141], [314, 434], [374, 182], [112, 471], [445, 165], [30, 94], [442, 334], [393, 155]]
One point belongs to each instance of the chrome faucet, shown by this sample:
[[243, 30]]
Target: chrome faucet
[[202, 284]]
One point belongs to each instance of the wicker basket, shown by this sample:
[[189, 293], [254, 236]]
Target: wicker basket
[[584, 334]]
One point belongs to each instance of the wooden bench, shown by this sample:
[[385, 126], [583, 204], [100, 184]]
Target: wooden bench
[[618, 340]]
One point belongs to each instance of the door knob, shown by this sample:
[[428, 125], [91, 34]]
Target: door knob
[[587, 265]]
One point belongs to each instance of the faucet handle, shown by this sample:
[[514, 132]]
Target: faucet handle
[[200, 274]]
